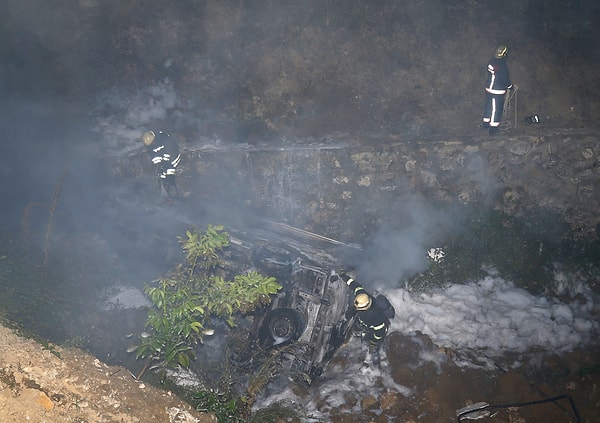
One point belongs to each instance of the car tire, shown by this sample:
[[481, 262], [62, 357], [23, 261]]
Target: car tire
[[281, 326], [273, 260]]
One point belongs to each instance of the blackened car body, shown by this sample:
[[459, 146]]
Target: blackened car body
[[306, 318]]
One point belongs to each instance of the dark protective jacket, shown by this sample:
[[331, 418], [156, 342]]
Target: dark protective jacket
[[164, 153], [498, 80], [373, 320]]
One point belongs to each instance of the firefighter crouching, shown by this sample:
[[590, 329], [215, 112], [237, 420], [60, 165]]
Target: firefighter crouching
[[372, 316]]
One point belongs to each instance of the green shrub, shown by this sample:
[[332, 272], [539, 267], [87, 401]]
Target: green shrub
[[185, 302]]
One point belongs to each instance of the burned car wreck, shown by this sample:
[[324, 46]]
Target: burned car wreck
[[305, 322]]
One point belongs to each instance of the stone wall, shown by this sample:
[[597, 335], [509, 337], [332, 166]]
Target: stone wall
[[343, 187]]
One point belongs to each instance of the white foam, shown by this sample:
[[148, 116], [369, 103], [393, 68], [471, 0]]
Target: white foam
[[494, 315]]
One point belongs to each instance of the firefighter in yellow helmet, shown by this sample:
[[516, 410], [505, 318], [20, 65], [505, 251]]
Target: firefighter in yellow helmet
[[372, 316], [497, 84], [165, 155]]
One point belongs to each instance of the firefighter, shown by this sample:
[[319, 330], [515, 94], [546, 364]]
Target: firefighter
[[372, 316], [498, 83], [165, 155]]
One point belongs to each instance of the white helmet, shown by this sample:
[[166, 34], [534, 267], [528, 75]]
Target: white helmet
[[148, 137], [362, 301]]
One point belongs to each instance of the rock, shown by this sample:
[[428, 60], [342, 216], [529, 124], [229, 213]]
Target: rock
[[369, 403], [404, 376], [45, 402], [391, 403]]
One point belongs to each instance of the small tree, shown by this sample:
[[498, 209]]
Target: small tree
[[185, 301]]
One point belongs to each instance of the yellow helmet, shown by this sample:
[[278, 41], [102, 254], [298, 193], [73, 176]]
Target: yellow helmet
[[148, 137], [501, 52], [362, 301]]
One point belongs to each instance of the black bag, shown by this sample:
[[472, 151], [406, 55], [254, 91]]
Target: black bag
[[384, 304]]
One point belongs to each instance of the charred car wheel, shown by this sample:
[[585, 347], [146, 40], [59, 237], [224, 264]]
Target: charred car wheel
[[281, 326], [274, 260]]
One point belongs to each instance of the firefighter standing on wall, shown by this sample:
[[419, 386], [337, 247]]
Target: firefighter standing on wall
[[498, 83], [372, 316], [165, 155]]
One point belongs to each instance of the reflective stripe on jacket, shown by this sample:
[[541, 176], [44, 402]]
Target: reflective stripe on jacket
[[498, 80], [373, 320]]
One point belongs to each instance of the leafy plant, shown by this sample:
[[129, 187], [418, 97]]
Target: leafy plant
[[174, 322], [204, 247], [227, 408], [185, 302]]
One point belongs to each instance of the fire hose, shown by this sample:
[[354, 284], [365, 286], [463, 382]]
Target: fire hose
[[482, 409]]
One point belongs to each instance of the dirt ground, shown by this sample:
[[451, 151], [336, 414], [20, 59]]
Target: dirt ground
[[50, 384]]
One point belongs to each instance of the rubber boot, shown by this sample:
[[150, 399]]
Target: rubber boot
[[375, 358]]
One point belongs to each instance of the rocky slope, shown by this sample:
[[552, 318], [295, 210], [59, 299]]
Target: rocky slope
[[47, 383]]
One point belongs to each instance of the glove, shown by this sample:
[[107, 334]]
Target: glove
[[334, 276]]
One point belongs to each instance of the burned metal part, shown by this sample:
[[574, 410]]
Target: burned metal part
[[310, 235]]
